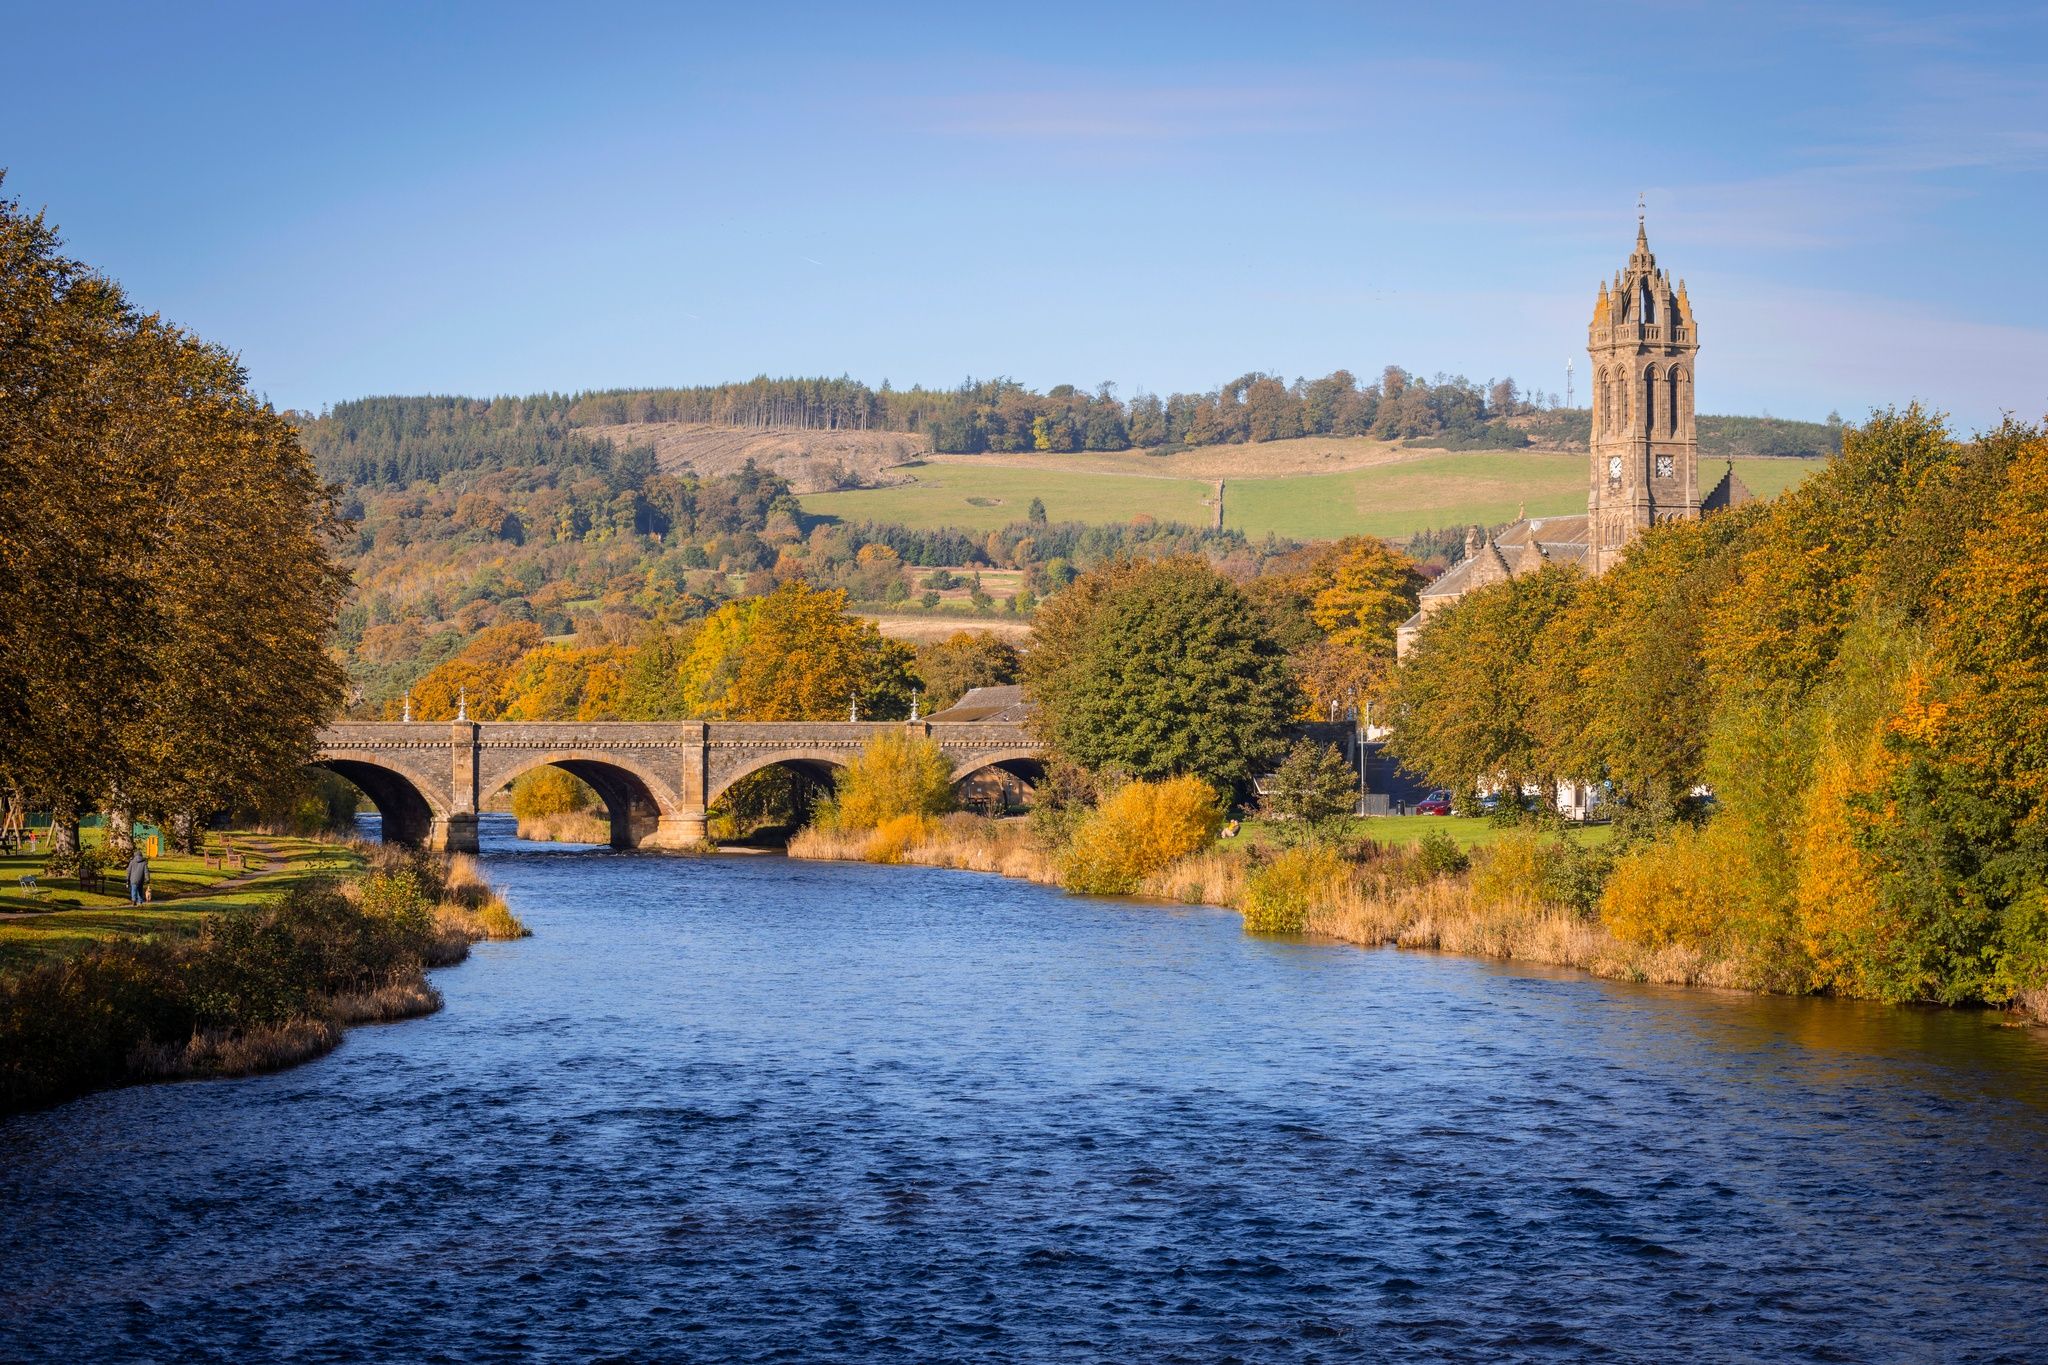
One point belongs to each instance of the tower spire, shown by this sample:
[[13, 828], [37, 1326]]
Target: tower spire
[[1645, 454]]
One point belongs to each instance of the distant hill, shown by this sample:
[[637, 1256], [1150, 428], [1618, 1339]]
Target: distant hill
[[813, 461], [827, 435], [567, 515]]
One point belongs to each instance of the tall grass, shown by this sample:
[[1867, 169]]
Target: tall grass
[[971, 843], [566, 827]]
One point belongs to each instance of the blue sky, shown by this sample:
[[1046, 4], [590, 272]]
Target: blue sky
[[406, 199]]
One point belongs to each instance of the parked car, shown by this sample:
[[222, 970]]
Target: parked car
[[1437, 802]]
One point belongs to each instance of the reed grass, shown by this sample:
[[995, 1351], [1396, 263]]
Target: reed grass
[[248, 1052], [970, 843], [566, 827]]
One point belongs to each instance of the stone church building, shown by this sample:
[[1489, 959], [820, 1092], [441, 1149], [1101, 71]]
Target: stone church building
[[1644, 465]]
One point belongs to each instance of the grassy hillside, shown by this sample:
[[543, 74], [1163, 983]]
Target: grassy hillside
[[1393, 498]]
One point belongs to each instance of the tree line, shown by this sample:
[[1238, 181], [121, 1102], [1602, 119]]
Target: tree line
[[1820, 720], [395, 441]]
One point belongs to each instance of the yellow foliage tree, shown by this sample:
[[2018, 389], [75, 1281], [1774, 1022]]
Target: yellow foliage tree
[[480, 675], [1363, 590], [1140, 829], [550, 791], [895, 775], [561, 682], [793, 654], [1837, 893]]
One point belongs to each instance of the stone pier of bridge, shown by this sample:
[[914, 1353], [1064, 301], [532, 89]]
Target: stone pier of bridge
[[658, 780]]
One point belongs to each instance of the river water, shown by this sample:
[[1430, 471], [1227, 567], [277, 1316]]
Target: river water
[[751, 1109]]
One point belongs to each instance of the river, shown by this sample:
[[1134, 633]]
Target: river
[[752, 1109]]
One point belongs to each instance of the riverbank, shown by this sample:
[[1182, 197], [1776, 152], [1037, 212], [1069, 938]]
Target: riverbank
[[1513, 895], [266, 981]]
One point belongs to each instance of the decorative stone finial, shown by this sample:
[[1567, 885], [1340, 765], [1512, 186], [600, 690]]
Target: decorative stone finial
[[462, 703], [407, 717]]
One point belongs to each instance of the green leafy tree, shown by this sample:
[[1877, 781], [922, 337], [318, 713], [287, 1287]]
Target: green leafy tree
[[1158, 668], [1312, 792], [1623, 692]]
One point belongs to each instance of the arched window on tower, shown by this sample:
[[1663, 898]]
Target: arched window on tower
[[1650, 401], [1648, 306], [1672, 409], [1681, 399]]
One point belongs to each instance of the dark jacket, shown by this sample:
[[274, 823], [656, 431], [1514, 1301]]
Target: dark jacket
[[138, 870]]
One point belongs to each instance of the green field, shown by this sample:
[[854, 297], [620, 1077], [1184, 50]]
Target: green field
[[1392, 500]]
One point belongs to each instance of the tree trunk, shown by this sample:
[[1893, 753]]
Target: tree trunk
[[64, 825], [184, 828], [119, 841]]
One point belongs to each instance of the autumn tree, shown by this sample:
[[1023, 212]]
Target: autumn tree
[[1464, 702], [565, 682], [965, 659], [169, 584], [793, 654], [479, 678]]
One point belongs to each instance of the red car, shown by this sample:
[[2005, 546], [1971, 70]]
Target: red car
[[1437, 802]]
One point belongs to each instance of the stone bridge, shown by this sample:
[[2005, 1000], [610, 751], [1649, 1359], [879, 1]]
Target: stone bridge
[[428, 779]]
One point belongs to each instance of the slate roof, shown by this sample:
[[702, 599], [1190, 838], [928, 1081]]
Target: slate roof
[[989, 704], [1731, 491], [1521, 548]]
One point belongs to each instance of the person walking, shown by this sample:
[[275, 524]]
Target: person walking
[[138, 877]]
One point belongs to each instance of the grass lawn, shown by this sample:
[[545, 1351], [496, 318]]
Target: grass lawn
[[1392, 499], [64, 919], [1469, 833], [1407, 829]]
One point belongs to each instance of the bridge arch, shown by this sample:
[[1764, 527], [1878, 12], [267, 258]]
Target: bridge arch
[[820, 765], [634, 798], [410, 808], [1025, 765]]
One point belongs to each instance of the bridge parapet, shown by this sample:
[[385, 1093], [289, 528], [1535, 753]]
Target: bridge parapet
[[657, 779]]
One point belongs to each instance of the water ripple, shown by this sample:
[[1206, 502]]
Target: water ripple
[[752, 1110]]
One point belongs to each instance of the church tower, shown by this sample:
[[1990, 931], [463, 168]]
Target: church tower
[[1645, 451]]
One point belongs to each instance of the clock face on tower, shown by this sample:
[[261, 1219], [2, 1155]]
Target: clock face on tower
[[1614, 468], [1664, 466]]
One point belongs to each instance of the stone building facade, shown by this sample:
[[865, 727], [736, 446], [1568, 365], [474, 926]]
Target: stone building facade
[[1643, 462]]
